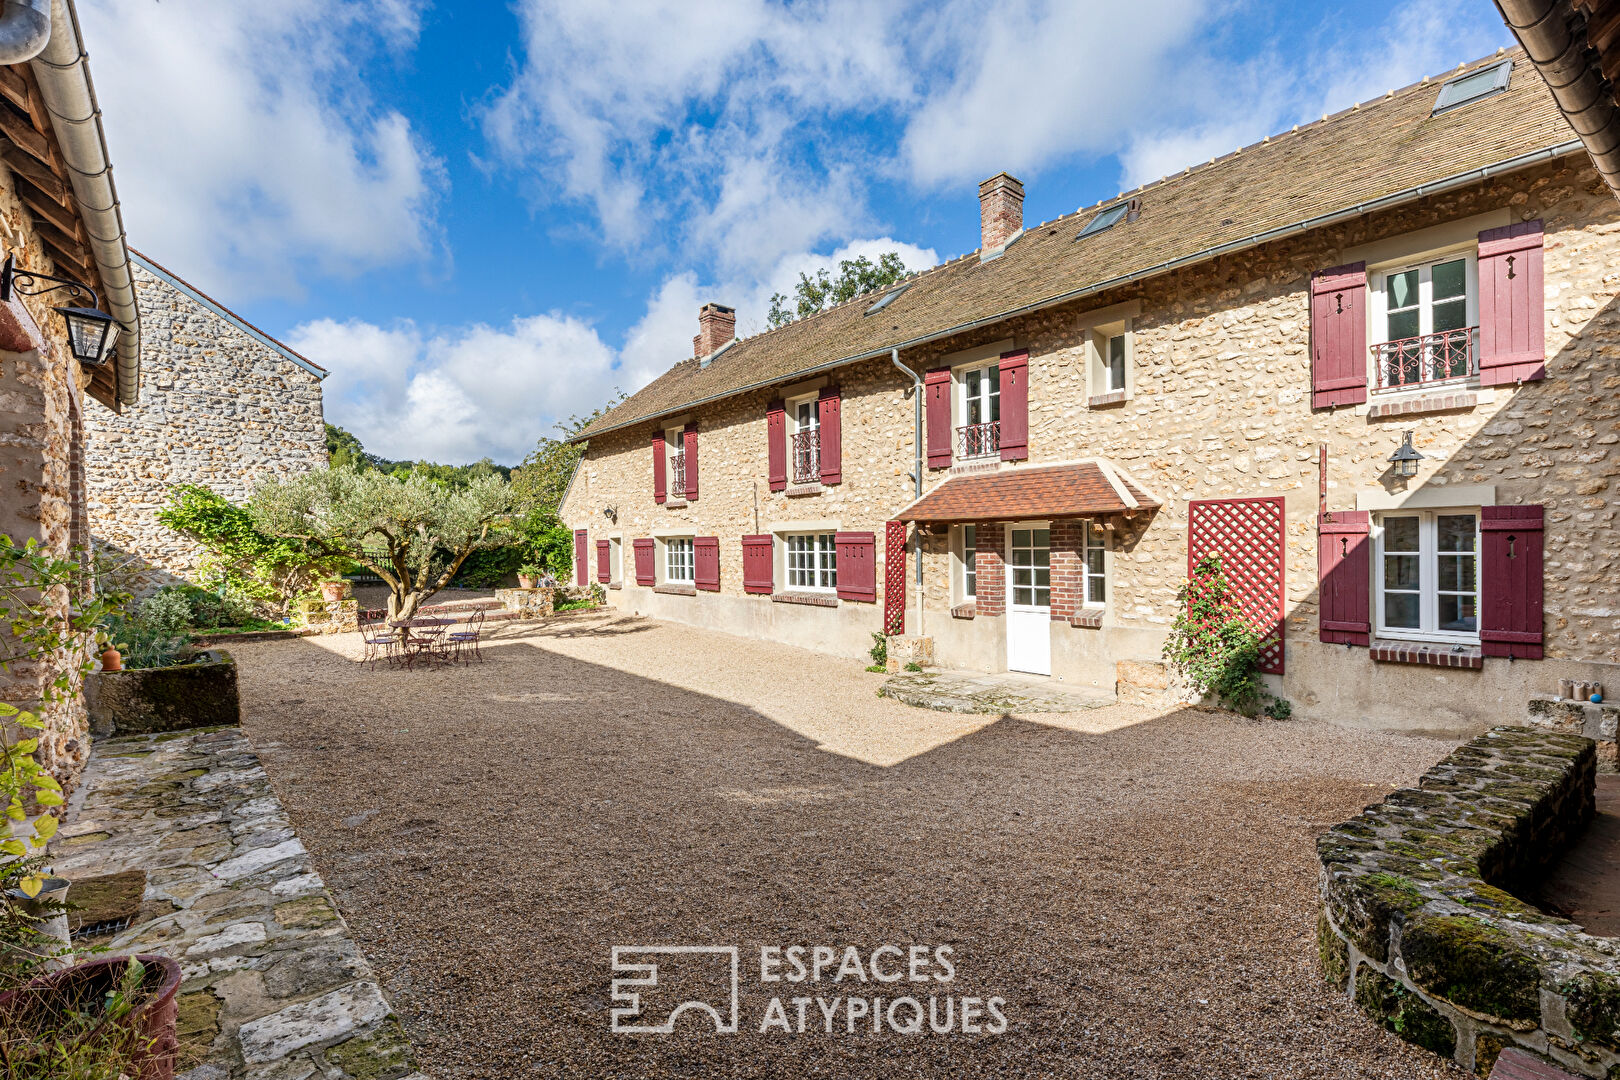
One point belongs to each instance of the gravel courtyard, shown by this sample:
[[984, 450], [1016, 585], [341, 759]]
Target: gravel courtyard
[[1140, 888]]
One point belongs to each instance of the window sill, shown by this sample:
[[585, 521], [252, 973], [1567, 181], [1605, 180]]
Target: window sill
[[808, 598], [676, 590], [796, 490], [1113, 397], [976, 465], [1428, 403], [615, 584], [674, 504], [1090, 619], [964, 611], [1430, 653]]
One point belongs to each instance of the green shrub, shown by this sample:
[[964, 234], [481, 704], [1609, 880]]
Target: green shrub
[[165, 612], [1211, 645], [879, 651]]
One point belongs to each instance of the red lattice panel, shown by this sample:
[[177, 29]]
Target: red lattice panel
[[894, 577], [1250, 536]]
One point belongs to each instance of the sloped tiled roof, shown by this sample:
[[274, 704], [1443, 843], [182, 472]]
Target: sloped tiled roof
[[1043, 491], [1373, 151]]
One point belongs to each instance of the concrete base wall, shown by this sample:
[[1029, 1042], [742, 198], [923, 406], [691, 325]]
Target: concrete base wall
[[842, 631]]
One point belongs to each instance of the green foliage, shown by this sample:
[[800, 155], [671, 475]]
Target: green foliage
[[879, 651], [344, 451], [1211, 645], [245, 562], [487, 569], [552, 549], [413, 533], [856, 277], [84, 1039], [24, 951], [52, 616], [913, 666], [538, 485], [1279, 709]]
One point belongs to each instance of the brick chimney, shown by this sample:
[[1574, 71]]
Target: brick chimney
[[1001, 211], [717, 324]]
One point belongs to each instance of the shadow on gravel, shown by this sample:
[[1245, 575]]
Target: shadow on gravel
[[492, 832]]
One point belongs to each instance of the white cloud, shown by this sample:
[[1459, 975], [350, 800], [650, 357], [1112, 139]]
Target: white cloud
[[247, 150]]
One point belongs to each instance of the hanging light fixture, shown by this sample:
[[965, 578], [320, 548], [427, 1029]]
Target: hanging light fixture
[[1405, 459], [91, 331]]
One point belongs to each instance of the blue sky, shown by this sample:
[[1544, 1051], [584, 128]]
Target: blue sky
[[484, 216]]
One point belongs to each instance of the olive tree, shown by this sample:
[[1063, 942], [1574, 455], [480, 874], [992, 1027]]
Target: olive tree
[[410, 531]]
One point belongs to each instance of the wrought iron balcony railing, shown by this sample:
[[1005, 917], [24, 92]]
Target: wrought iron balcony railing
[[1432, 358], [677, 475], [978, 440], [807, 456]]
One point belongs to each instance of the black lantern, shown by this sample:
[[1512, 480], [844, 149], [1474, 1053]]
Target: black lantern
[[91, 331], [1405, 459]]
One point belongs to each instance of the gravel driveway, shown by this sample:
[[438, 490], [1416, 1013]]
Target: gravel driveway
[[1139, 888]]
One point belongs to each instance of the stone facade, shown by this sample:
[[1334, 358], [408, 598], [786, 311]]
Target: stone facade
[[224, 406], [1219, 407]]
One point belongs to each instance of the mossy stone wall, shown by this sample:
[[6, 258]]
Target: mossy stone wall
[[1420, 927], [143, 700]]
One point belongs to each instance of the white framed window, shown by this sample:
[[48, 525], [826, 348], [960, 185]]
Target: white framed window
[[966, 581], [615, 561], [978, 410], [1029, 566], [804, 439], [812, 562], [1428, 574], [1424, 321], [1094, 564], [675, 462], [678, 562], [1111, 352]]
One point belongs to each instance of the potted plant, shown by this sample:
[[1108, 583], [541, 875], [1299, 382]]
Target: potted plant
[[116, 1010], [334, 589], [529, 576]]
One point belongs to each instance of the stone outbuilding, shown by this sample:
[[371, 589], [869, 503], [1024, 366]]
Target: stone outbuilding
[[229, 405]]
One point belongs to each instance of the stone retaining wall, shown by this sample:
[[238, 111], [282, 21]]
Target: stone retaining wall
[[139, 701], [1420, 926]]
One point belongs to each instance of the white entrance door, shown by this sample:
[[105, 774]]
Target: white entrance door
[[1029, 599]]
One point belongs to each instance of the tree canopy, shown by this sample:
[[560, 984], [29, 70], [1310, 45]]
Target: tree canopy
[[344, 450], [856, 277]]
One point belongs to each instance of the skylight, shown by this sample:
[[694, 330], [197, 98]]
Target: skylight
[[1105, 219], [885, 300], [1473, 86]]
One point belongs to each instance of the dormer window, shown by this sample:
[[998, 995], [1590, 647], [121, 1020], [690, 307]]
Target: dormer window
[[1129, 210], [1465, 89]]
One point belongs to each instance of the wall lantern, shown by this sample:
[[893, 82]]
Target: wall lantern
[[1405, 459], [91, 331]]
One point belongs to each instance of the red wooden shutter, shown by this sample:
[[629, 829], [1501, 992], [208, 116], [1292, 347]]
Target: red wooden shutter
[[706, 563], [581, 569], [829, 410], [759, 569], [857, 566], [604, 567], [1015, 405], [1510, 556], [776, 444], [1512, 319], [1343, 577], [644, 561], [894, 577], [937, 406], [1338, 336], [658, 466], [689, 445]]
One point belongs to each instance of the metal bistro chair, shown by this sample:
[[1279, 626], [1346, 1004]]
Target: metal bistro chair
[[382, 642], [468, 639], [426, 643]]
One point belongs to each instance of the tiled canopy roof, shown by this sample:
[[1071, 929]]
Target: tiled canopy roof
[[1380, 150], [1085, 489]]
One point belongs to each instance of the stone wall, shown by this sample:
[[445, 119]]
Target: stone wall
[[1220, 408], [220, 408], [1420, 926]]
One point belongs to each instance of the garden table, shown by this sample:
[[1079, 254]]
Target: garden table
[[426, 643]]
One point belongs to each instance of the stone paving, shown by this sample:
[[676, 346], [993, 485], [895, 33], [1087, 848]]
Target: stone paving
[[966, 692], [275, 988]]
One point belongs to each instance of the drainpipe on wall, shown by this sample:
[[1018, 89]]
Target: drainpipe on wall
[[917, 465]]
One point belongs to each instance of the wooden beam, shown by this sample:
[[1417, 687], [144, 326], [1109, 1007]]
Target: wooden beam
[[1601, 29], [35, 172], [52, 211], [22, 134], [65, 248], [14, 87]]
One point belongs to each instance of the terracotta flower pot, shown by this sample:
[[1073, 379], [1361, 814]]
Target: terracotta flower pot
[[111, 659], [151, 1023], [528, 581], [333, 591]]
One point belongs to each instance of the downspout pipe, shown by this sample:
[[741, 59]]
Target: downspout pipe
[[63, 73], [1556, 43], [24, 29]]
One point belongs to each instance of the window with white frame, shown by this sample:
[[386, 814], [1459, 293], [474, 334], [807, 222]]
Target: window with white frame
[[812, 562], [675, 448], [978, 432], [1095, 564], [967, 577], [678, 563], [1110, 348], [804, 440], [1428, 575], [1425, 321], [615, 561]]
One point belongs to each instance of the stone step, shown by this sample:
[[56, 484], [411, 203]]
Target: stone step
[[1515, 1064], [484, 603]]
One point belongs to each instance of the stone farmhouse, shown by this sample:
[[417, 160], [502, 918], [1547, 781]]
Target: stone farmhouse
[[231, 404], [1017, 455], [58, 216]]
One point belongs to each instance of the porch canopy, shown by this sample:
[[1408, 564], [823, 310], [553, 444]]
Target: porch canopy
[[1094, 488]]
